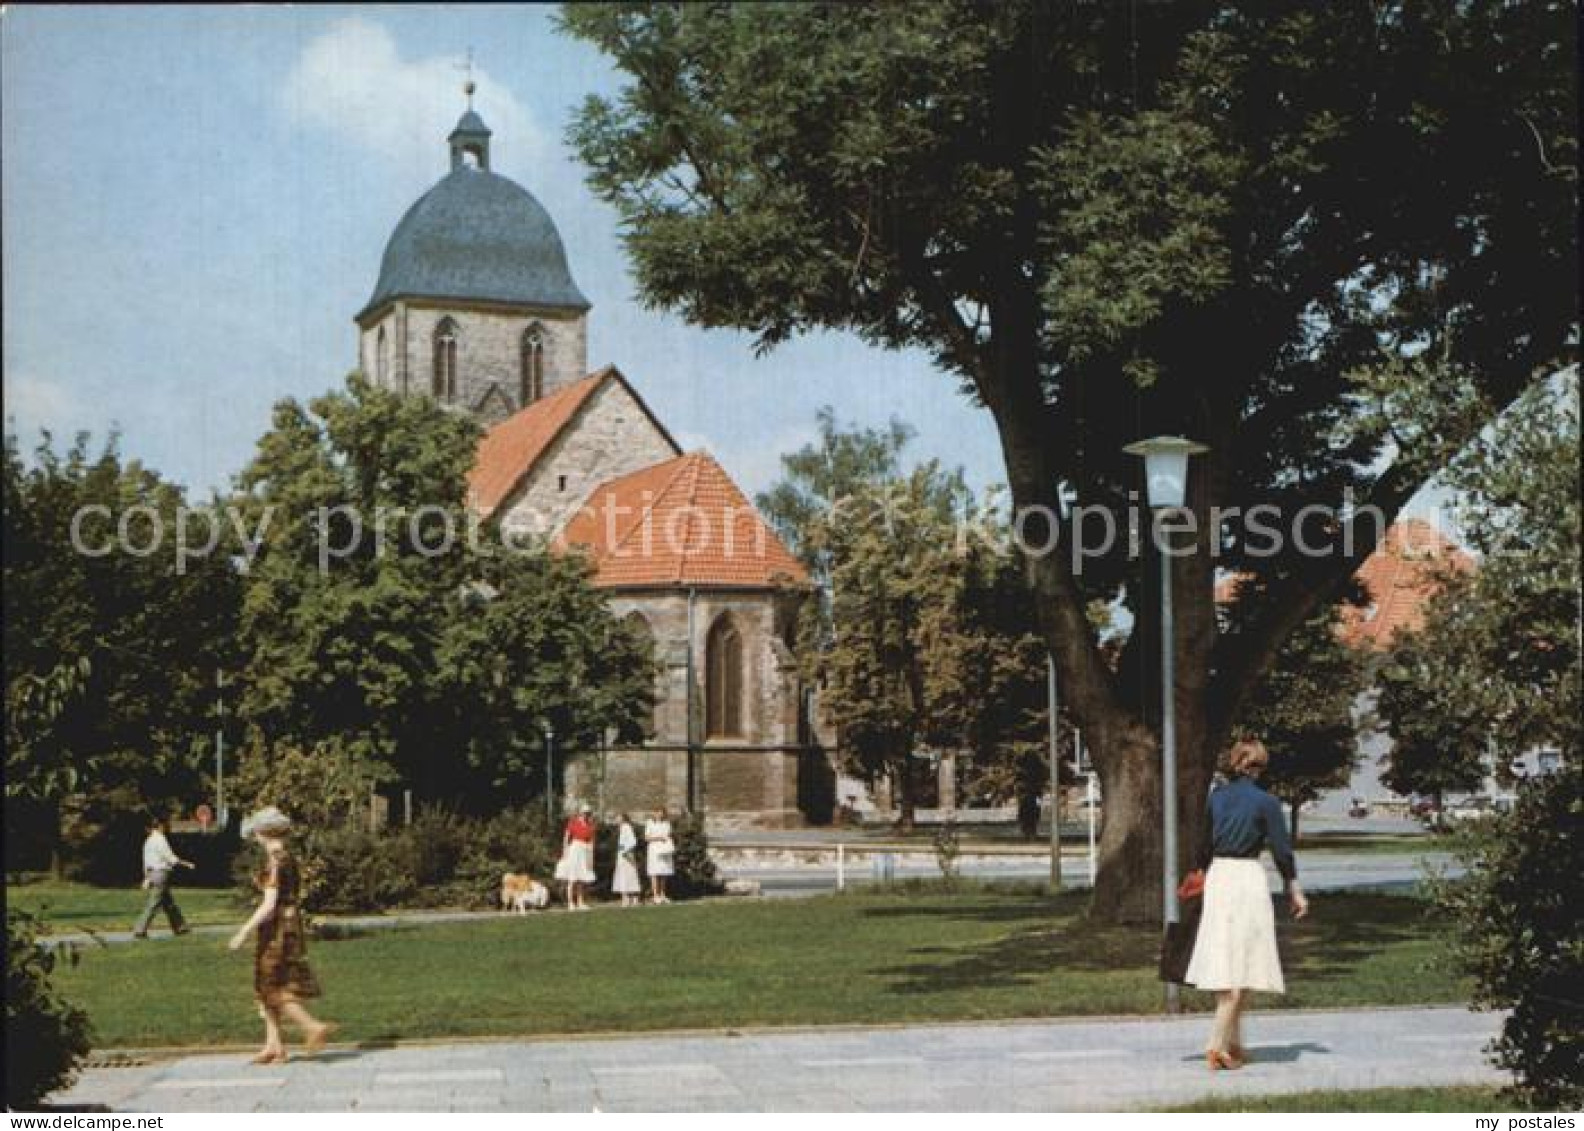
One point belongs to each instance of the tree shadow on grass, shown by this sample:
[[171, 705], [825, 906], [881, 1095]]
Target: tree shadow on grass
[[1325, 949], [985, 907]]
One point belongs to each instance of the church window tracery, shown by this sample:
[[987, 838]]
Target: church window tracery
[[532, 364], [445, 361]]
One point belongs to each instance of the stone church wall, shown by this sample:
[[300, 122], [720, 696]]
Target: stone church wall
[[748, 780], [489, 353], [612, 436]]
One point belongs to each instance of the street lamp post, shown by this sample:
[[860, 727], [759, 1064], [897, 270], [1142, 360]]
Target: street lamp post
[[1055, 775], [1166, 479], [549, 737]]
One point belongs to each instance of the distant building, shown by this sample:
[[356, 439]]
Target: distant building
[[1399, 579], [476, 307]]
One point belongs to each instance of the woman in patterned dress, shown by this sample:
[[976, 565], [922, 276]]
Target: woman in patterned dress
[[281, 975]]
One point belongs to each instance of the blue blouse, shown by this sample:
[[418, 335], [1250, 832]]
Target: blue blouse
[[1245, 820]]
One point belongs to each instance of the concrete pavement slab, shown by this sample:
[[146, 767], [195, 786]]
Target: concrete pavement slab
[[1065, 1064]]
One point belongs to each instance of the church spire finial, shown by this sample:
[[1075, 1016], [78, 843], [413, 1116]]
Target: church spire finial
[[469, 86], [470, 140]]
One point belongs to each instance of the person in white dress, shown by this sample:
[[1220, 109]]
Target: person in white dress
[[576, 867], [1235, 949], [625, 881], [661, 850]]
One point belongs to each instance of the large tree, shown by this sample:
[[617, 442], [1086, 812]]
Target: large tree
[[383, 629], [922, 635], [1106, 221], [111, 641]]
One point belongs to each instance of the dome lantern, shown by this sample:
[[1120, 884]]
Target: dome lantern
[[470, 138]]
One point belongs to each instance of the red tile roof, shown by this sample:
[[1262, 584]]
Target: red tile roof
[[1400, 577], [681, 522], [511, 448]]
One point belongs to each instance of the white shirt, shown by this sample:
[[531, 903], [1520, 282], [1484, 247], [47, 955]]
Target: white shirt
[[658, 830], [626, 839], [157, 854]]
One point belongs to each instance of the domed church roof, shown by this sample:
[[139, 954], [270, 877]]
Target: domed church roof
[[476, 235]]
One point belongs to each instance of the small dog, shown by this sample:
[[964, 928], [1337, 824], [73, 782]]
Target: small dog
[[520, 891]]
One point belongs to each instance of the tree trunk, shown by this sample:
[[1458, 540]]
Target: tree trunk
[[907, 800]]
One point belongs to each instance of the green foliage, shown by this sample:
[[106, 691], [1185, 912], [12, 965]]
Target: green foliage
[[1494, 672], [109, 654], [948, 847], [427, 652], [920, 639], [695, 871], [1302, 710], [446, 859], [46, 1036], [1521, 932], [317, 788], [1063, 204], [440, 860]]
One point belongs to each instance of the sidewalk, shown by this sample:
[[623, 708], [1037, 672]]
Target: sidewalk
[[1102, 1064]]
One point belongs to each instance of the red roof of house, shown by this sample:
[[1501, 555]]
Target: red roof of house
[[511, 448], [681, 522], [1400, 577]]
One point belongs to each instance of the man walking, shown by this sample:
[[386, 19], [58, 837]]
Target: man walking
[[159, 861]]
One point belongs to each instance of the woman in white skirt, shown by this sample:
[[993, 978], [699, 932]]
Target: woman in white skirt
[[576, 867], [1235, 949], [624, 882], [661, 850]]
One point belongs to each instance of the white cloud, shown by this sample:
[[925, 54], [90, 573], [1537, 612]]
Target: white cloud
[[352, 81], [33, 403]]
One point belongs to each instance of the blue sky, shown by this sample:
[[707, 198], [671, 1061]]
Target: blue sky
[[195, 203], [196, 199]]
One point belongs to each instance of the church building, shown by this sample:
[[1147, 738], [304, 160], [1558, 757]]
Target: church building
[[476, 306]]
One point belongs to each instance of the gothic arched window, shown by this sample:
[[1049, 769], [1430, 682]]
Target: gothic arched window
[[723, 681], [532, 365], [446, 336]]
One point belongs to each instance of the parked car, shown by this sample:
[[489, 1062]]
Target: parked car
[[1473, 809]]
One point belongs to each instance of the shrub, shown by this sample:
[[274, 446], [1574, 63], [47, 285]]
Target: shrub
[[46, 1036], [443, 860], [518, 840], [102, 837], [1521, 933], [439, 860], [695, 871]]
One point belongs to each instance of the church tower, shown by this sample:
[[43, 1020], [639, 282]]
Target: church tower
[[475, 305]]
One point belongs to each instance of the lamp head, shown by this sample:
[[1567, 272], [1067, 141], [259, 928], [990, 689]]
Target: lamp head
[[1166, 468]]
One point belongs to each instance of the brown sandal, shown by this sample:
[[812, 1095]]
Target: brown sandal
[[1218, 1060]]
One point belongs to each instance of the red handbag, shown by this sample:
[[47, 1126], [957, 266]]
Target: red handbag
[[1192, 886]]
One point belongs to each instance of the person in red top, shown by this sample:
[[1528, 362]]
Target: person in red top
[[576, 867]]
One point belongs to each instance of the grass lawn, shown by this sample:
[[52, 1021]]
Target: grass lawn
[[78, 907], [1483, 1100], [869, 957]]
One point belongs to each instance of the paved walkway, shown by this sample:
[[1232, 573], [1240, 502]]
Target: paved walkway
[[1105, 1064]]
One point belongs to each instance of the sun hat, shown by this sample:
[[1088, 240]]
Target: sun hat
[[268, 820]]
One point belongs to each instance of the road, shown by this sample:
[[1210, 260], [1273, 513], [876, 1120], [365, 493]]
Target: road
[[1319, 871], [1060, 1065]]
